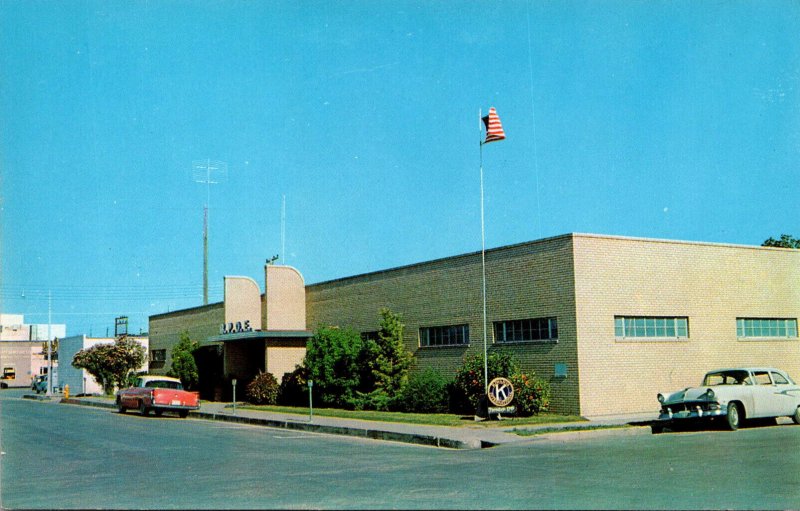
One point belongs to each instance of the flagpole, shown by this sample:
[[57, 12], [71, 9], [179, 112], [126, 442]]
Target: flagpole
[[483, 261]]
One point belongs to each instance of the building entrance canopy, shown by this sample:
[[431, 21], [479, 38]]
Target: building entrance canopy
[[266, 335]]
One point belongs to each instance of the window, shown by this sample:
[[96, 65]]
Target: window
[[756, 327], [652, 327], [762, 378], [158, 355], [9, 373], [779, 379], [526, 330], [455, 335]]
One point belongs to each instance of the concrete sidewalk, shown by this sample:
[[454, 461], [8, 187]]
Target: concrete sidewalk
[[462, 437]]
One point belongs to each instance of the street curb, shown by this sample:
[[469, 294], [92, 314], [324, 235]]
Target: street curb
[[37, 397], [374, 434]]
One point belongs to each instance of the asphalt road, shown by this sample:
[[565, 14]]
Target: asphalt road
[[62, 456]]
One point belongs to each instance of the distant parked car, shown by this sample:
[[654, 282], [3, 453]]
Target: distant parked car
[[732, 395], [157, 393], [39, 384]]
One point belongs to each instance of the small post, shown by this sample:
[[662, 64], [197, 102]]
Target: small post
[[310, 402], [233, 382]]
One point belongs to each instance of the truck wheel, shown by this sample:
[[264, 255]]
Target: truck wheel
[[734, 418], [143, 409], [796, 416]]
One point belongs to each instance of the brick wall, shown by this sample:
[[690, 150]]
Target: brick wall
[[530, 280], [710, 284], [165, 329]]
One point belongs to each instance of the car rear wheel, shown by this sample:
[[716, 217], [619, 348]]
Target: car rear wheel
[[120, 408], [734, 417], [796, 416], [143, 409], [183, 414]]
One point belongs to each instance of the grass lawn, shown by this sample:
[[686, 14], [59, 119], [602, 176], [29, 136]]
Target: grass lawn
[[432, 419]]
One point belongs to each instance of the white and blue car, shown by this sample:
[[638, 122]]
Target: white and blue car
[[732, 395]]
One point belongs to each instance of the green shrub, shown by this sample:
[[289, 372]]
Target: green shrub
[[378, 400], [425, 392], [531, 394], [332, 357], [262, 390], [469, 386], [293, 390]]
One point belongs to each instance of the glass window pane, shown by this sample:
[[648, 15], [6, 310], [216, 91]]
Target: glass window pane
[[683, 327]]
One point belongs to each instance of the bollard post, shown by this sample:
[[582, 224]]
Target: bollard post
[[66, 391], [310, 402]]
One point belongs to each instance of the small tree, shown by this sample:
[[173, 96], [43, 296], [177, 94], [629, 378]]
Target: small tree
[[386, 364], [183, 365], [110, 364], [786, 241], [332, 363]]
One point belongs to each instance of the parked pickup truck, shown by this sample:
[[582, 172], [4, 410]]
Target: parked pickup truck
[[157, 393]]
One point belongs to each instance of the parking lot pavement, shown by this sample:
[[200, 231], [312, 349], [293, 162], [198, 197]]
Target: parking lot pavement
[[464, 437]]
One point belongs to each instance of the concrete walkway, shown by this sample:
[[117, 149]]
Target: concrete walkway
[[463, 437]]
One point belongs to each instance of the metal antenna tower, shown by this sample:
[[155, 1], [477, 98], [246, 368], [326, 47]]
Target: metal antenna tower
[[208, 172]]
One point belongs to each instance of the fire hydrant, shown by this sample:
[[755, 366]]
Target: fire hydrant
[[66, 391]]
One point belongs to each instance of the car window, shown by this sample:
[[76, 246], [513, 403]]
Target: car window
[[779, 379], [726, 378], [165, 384], [762, 378]]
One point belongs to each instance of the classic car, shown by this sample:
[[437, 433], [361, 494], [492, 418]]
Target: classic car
[[732, 395], [157, 393]]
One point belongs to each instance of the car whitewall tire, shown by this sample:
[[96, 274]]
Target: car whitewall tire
[[734, 417], [796, 416]]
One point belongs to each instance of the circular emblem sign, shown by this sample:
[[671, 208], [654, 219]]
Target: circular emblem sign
[[501, 392]]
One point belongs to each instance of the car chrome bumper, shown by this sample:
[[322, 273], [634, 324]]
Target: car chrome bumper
[[696, 413], [157, 406]]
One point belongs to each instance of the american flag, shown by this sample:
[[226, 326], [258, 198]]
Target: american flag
[[494, 130]]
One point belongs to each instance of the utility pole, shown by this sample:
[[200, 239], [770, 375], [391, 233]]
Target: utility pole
[[208, 172]]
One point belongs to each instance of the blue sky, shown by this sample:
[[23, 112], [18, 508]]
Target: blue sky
[[677, 120]]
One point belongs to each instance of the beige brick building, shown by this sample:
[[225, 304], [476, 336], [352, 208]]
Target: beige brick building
[[608, 321]]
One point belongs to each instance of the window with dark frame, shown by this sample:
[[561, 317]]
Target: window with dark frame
[[451, 335], [526, 330], [158, 355]]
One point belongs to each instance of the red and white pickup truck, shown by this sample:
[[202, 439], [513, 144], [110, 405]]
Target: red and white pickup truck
[[157, 393]]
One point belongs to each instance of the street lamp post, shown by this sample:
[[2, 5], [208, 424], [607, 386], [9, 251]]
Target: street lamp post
[[49, 344]]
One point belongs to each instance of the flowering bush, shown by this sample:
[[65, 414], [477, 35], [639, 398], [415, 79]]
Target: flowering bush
[[469, 387], [263, 389], [110, 364], [531, 394]]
